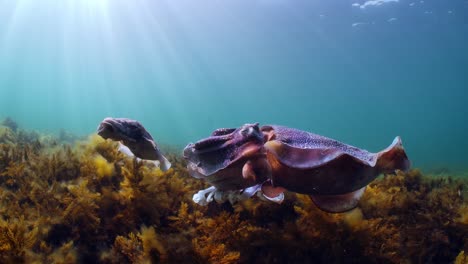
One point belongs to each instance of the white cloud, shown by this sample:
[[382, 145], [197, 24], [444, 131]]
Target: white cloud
[[376, 3], [356, 4], [392, 19], [411, 4]]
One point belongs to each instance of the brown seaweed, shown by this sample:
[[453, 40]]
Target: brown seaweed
[[88, 203]]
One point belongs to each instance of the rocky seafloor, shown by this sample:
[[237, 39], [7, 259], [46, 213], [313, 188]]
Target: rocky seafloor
[[85, 202]]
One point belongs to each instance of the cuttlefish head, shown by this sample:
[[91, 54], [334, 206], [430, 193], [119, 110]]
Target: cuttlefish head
[[121, 129], [223, 148]]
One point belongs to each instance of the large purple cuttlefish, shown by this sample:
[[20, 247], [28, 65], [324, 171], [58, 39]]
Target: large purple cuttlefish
[[268, 160]]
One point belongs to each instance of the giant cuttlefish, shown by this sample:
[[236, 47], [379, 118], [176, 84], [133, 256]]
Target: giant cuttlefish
[[268, 160], [133, 139]]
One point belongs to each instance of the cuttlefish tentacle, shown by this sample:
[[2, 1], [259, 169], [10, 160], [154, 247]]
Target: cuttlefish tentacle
[[204, 197]]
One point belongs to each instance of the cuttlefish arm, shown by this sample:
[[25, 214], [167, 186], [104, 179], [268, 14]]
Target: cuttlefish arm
[[206, 196]]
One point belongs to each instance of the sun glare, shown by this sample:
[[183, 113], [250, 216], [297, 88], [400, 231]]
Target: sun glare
[[92, 5]]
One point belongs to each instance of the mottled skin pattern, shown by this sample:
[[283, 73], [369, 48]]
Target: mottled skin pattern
[[220, 158], [311, 164], [280, 158], [304, 140], [132, 134]]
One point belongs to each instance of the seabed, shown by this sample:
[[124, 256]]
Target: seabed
[[64, 200]]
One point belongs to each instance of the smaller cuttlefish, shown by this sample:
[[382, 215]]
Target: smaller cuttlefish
[[134, 140]]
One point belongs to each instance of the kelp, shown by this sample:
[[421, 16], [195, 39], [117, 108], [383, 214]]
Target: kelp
[[89, 203]]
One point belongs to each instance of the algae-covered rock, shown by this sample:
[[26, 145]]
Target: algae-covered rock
[[7, 135], [10, 123]]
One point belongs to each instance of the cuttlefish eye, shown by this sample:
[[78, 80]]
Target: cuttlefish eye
[[246, 131], [250, 130], [109, 128]]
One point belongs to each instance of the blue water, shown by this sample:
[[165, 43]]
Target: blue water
[[184, 68]]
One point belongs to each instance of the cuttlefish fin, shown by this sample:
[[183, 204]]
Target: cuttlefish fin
[[393, 158], [338, 203]]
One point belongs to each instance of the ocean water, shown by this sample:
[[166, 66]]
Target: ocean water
[[358, 72]]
